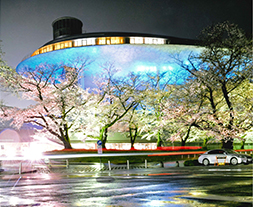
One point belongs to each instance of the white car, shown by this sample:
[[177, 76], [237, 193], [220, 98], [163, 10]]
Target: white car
[[223, 156]]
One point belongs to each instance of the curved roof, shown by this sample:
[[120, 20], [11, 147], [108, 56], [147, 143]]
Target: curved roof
[[171, 40], [109, 38]]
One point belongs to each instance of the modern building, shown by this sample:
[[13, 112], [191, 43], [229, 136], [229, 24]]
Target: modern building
[[127, 51]]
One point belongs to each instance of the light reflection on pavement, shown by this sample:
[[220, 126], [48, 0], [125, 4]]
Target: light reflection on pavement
[[144, 187]]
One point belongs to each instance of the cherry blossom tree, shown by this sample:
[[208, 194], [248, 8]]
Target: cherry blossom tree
[[221, 68], [116, 96], [57, 99], [182, 112], [132, 125], [151, 120], [5, 71], [242, 99], [132, 119]]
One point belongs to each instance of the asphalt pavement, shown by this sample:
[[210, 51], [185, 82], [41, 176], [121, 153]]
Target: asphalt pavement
[[156, 186]]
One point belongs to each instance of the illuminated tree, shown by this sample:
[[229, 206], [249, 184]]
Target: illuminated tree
[[133, 129], [116, 96], [242, 98], [183, 110], [5, 71], [220, 69], [132, 119], [151, 117], [57, 99]]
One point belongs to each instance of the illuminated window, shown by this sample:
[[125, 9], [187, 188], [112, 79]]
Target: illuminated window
[[62, 45], [91, 41], [139, 40], [50, 48], [136, 40], [78, 43], [149, 40], [57, 46], [114, 40], [36, 52], [68, 44], [46, 49], [84, 42], [117, 40], [160, 41], [101, 41]]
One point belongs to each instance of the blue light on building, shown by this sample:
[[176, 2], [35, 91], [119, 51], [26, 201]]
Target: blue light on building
[[133, 52]]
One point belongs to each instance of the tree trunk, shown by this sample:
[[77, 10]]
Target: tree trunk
[[183, 141], [204, 147], [242, 147], [132, 144], [64, 137], [159, 141], [187, 135], [227, 144], [67, 145], [103, 136], [133, 136]]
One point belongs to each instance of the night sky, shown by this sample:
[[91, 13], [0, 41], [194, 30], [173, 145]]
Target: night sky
[[25, 25]]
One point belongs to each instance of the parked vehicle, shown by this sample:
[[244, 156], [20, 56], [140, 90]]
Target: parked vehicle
[[223, 156]]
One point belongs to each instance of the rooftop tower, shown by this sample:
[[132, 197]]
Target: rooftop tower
[[66, 26]]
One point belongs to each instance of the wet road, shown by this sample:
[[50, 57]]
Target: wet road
[[171, 186]]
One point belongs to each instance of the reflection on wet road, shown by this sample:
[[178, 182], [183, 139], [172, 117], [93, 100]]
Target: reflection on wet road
[[91, 191], [145, 187]]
